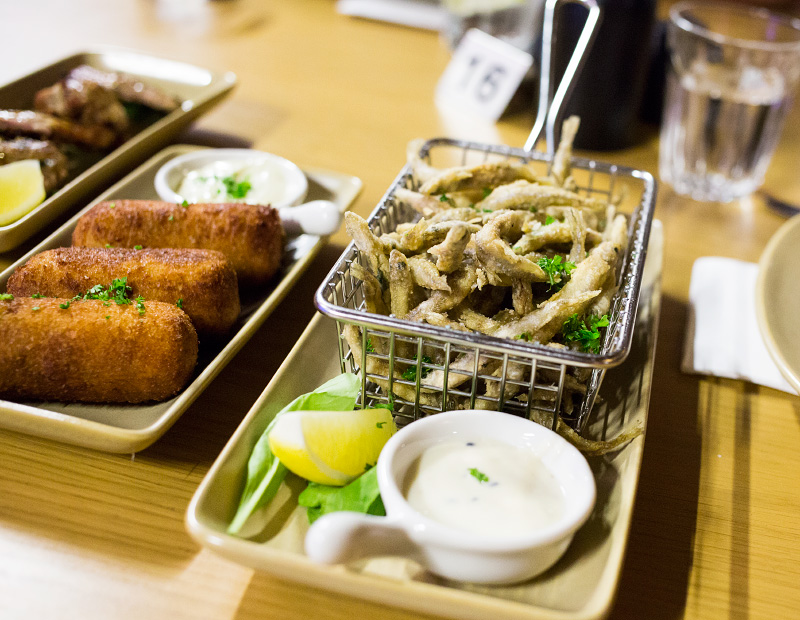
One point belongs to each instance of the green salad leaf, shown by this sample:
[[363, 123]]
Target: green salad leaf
[[361, 495], [265, 472]]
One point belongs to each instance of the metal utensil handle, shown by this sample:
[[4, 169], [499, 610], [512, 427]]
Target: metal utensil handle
[[549, 110]]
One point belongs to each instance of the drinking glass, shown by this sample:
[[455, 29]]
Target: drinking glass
[[518, 22], [732, 75]]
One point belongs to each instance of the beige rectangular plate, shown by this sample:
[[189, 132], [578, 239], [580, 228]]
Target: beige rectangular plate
[[580, 586], [130, 428], [198, 88]]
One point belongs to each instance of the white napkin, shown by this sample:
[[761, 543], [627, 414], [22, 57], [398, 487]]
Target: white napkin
[[415, 13], [722, 335]]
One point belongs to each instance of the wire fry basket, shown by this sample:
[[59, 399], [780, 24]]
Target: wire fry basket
[[419, 369], [411, 366]]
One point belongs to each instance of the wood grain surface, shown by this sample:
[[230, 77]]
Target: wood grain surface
[[716, 529]]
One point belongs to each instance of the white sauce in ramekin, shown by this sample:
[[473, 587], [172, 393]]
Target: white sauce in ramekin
[[485, 487], [267, 182]]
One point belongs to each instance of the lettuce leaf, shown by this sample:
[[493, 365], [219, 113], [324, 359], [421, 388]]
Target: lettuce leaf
[[265, 472], [361, 495]]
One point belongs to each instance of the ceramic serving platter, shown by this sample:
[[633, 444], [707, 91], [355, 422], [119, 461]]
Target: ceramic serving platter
[[199, 89], [778, 298], [580, 586], [130, 428]]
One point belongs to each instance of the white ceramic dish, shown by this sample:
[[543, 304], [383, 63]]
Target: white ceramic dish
[[452, 553], [580, 586], [170, 176], [130, 428], [778, 300]]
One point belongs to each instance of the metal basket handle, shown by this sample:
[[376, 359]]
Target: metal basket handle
[[550, 109]]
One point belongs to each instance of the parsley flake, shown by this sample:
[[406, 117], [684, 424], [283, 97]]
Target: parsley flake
[[6, 297], [486, 192], [478, 475], [65, 305], [585, 331], [36, 308], [111, 205], [171, 217], [116, 292], [410, 373], [557, 270], [108, 245], [137, 247], [140, 305], [185, 204], [447, 199], [236, 188], [524, 336], [37, 296], [379, 424], [549, 220], [179, 303], [370, 348]]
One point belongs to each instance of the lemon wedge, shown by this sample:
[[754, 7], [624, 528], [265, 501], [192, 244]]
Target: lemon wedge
[[21, 189], [331, 447]]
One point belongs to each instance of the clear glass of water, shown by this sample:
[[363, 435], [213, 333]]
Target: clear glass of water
[[731, 80]]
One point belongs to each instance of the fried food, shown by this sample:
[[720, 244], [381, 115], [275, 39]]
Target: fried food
[[495, 249], [250, 236], [203, 282], [87, 351]]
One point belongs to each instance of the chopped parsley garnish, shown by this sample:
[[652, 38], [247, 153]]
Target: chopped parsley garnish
[[171, 217], [37, 296], [524, 336], [410, 374], [117, 292], [549, 220], [557, 270], [137, 247], [179, 303], [478, 475], [108, 245], [184, 204], [486, 192], [379, 424], [65, 305], [36, 308], [140, 305], [6, 297], [370, 348], [107, 317], [533, 210], [235, 188], [447, 199], [111, 205], [585, 331]]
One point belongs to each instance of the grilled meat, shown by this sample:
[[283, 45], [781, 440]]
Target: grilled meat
[[86, 103], [40, 125], [126, 87], [53, 161]]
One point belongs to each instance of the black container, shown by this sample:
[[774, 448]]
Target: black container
[[609, 90]]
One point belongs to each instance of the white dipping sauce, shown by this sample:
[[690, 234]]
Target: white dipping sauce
[[207, 184], [485, 487]]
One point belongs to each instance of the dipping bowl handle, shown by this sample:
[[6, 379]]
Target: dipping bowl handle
[[342, 537]]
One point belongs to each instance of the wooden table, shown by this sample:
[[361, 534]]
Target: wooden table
[[89, 535]]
